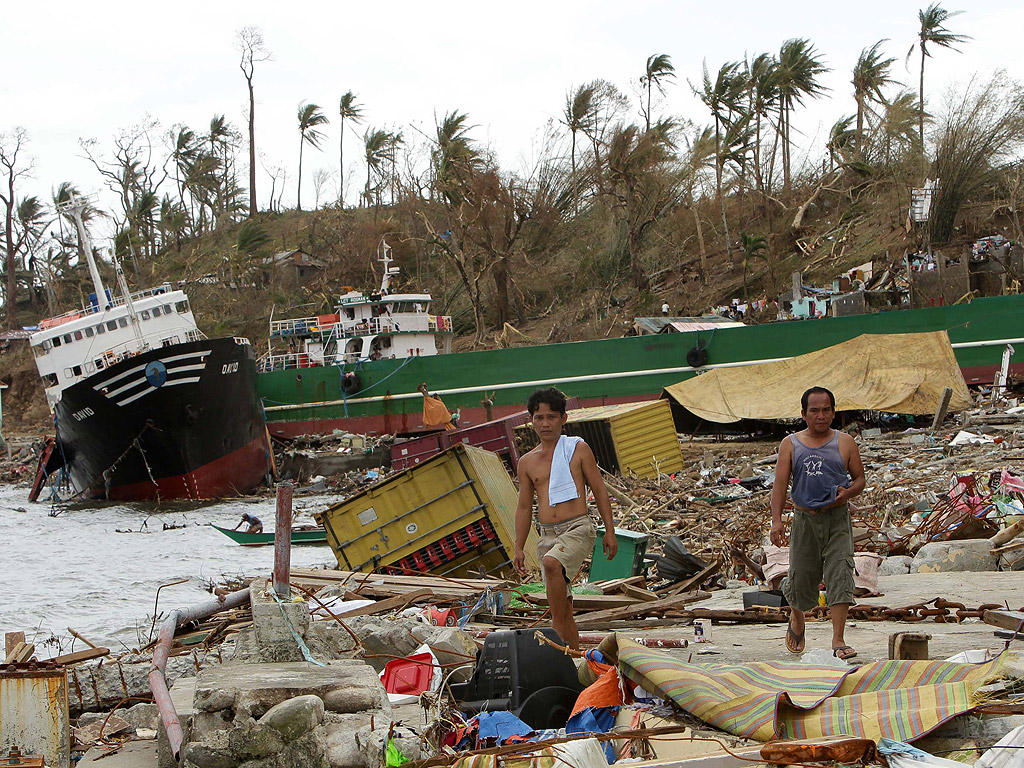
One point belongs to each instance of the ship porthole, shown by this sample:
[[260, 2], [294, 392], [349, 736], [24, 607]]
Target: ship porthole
[[298, 377]]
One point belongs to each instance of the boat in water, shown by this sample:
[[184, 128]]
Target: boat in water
[[308, 534], [364, 394], [144, 405]]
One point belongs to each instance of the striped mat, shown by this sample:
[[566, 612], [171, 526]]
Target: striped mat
[[901, 700]]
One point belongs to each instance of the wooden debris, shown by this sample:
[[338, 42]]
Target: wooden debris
[[21, 653], [1004, 619], [588, 620], [11, 641], [77, 657], [389, 604]]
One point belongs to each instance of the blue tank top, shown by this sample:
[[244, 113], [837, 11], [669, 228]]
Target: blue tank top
[[817, 473]]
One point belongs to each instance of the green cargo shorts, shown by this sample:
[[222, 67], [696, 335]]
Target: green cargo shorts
[[820, 549]]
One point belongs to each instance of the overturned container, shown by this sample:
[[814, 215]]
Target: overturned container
[[627, 438], [451, 515], [34, 711]]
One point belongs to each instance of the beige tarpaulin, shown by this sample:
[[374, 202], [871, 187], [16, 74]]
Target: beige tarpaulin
[[899, 373]]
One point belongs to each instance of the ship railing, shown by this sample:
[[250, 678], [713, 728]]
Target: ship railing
[[346, 329], [294, 360], [296, 327], [115, 301], [134, 347]]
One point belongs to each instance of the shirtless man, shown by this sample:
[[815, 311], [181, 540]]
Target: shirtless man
[[565, 529], [827, 472]]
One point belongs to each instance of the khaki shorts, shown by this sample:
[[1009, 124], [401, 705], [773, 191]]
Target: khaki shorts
[[820, 549], [570, 542]]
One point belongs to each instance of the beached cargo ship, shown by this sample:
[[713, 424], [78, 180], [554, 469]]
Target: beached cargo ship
[[316, 399], [144, 405]]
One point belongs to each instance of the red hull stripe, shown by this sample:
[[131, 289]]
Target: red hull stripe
[[230, 475]]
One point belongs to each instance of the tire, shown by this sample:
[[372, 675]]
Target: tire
[[697, 357], [350, 383]]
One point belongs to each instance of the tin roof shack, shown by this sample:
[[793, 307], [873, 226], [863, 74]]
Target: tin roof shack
[[291, 269], [452, 515], [628, 438]]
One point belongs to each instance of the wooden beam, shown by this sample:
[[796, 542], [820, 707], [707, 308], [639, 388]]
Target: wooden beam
[[1004, 619], [587, 620], [638, 593], [388, 604], [79, 656], [75, 634], [587, 602], [696, 580]]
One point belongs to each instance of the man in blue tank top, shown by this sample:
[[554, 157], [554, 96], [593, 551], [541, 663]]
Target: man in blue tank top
[[827, 472]]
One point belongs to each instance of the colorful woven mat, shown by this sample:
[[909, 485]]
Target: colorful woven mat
[[901, 700]]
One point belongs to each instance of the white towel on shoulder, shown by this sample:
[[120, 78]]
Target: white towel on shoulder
[[561, 486]]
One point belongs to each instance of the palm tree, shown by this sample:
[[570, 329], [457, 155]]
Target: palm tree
[[659, 68], [455, 156], [933, 30], [799, 67], [376, 143], [763, 95], [347, 109], [870, 76], [310, 117], [700, 152], [577, 116], [721, 97]]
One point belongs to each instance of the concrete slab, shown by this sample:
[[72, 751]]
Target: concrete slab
[[133, 754]]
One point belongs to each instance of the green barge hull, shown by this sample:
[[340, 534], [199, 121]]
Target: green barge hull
[[310, 400]]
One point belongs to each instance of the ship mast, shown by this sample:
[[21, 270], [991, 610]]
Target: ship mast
[[75, 205], [385, 259]]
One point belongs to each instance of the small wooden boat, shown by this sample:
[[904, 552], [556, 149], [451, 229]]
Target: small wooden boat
[[303, 534]]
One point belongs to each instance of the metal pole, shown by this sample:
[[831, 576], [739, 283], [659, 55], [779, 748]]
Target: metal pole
[[283, 540]]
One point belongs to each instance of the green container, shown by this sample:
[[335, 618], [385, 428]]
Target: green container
[[628, 562]]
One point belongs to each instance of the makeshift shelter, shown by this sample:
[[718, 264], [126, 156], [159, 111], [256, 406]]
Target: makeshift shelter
[[898, 373]]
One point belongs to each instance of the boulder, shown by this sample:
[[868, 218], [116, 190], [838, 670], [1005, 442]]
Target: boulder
[[204, 755], [896, 565], [341, 742], [295, 717], [965, 555]]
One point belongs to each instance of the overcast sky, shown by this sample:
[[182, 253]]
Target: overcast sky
[[77, 70]]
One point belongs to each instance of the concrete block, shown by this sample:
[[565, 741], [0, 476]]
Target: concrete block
[[342, 746], [254, 741], [295, 717], [966, 555], [277, 624], [451, 645], [897, 565]]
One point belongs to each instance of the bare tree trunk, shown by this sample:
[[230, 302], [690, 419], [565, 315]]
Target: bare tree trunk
[[11, 300], [252, 150], [700, 242], [298, 201]]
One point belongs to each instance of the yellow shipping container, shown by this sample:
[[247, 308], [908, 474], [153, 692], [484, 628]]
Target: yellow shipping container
[[453, 514], [637, 438]]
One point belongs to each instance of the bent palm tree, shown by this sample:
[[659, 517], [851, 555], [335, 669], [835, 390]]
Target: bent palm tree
[[933, 30], [798, 70], [721, 97], [870, 76], [310, 117], [659, 68], [347, 109], [577, 115]]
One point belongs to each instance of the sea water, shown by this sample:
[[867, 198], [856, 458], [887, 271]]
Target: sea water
[[96, 567]]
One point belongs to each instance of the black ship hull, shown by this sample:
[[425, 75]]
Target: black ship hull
[[178, 422]]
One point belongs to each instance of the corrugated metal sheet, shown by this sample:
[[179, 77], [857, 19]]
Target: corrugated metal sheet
[[34, 713], [627, 437], [428, 505]]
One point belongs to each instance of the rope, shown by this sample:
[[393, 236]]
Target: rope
[[295, 635]]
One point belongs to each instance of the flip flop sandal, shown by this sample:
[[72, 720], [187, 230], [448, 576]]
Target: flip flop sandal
[[844, 652], [795, 642]]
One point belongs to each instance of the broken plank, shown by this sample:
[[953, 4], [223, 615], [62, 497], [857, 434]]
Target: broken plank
[[639, 593], [11, 641], [639, 609], [587, 602], [1004, 619], [79, 656], [696, 580], [613, 585], [73, 633], [21, 653], [388, 604]]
